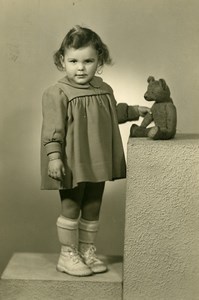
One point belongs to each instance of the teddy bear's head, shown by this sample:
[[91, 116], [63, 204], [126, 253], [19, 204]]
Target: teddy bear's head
[[157, 90]]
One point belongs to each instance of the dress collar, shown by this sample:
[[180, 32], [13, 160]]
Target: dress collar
[[96, 82]]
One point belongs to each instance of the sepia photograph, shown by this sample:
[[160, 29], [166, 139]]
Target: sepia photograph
[[99, 152]]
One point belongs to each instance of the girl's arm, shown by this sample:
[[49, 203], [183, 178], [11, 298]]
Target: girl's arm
[[127, 112], [54, 109]]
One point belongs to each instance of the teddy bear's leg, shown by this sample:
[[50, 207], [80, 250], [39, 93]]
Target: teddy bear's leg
[[138, 131], [166, 135], [154, 133], [162, 133]]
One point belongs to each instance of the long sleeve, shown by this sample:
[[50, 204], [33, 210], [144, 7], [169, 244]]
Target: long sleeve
[[126, 113], [54, 110]]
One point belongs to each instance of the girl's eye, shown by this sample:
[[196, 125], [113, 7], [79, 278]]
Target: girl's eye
[[88, 61], [73, 61]]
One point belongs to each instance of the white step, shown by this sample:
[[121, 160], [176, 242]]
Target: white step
[[161, 253], [33, 276]]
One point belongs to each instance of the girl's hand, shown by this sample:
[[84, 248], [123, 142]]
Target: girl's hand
[[56, 169], [143, 110]]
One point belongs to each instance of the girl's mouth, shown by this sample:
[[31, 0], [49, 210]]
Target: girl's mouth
[[81, 75]]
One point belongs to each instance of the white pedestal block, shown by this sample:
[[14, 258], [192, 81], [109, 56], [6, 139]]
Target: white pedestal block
[[161, 255], [33, 276]]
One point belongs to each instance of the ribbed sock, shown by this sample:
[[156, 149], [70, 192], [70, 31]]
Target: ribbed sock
[[67, 230], [87, 233]]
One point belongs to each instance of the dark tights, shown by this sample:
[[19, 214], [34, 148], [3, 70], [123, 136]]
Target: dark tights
[[85, 198]]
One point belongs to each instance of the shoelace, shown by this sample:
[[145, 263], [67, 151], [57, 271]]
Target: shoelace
[[90, 255], [74, 255]]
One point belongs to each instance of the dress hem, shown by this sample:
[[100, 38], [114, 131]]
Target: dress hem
[[66, 188]]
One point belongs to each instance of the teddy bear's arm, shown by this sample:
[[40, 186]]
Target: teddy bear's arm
[[171, 117], [147, 120]]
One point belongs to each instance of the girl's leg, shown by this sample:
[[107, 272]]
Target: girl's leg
[[67, 228], [71, 201], [89, 224], [92, 200]]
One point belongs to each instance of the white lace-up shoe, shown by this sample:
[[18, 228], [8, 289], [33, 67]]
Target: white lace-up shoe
[[71, 263], [92, 261]]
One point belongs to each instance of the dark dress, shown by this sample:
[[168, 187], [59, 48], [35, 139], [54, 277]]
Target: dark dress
[[81, 122]]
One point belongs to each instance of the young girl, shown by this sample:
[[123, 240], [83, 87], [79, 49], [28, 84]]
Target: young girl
[[81, 146]]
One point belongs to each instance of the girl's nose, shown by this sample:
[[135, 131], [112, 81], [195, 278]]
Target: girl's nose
[[80, 66]]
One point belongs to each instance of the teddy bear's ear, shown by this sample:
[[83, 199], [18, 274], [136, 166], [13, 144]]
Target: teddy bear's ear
[[163, 83], [150, 79]]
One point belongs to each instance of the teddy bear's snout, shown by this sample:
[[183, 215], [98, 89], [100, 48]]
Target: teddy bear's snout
[[146, 97]]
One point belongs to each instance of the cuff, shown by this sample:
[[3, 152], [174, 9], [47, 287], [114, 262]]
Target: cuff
[[52, 147]]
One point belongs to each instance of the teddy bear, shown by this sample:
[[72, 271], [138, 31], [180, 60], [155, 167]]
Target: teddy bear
[[163, 113]]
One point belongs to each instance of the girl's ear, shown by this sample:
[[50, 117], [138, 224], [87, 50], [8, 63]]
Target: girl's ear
[[62, 60], [99, 69]]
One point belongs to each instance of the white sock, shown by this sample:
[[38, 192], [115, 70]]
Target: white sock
[[67, 230], [87, 233]]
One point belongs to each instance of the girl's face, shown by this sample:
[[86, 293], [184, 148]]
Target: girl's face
[[80, 64]]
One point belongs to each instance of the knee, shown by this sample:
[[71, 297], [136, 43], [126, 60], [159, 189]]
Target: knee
[[70, 209], [91, 211]]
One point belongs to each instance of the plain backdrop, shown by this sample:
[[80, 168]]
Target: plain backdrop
[[156, 37]]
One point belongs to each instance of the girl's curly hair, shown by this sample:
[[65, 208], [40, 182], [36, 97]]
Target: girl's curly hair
[[79, 37]]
